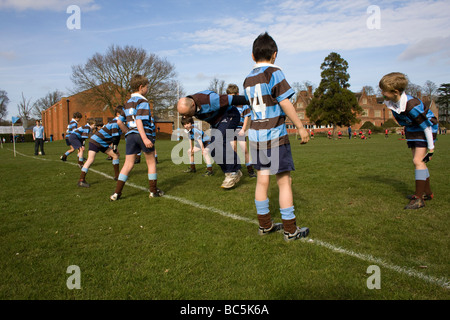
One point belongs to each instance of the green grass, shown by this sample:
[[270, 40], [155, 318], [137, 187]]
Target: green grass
[[350, 194]]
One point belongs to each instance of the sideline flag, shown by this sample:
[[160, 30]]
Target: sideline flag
[[15, 119]]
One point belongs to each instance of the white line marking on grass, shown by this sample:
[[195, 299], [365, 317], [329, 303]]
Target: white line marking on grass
[[442, 282]]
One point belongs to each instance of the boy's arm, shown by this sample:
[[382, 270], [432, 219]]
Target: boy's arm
[[430, 141], [244, 127], [140, 127], [290, 112], [122, 126]]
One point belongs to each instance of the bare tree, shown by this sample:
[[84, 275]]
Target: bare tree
[[46, 102], [4, 100], [105, 78], [218, 86], [369, 90], [430, 88], [413, 89], [25, 108]]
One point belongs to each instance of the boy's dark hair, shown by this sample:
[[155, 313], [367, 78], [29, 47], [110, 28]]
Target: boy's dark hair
[[186, 120], [136, 81], [264, 47], [77, 115], [98, 123], [119, 110]]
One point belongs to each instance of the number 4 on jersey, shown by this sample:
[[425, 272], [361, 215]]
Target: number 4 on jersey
[[256, 101]]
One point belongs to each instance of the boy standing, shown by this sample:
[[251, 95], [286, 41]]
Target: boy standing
[[421, 127], [73, 124], [139, 137], [268, 93], [199, 141], [105, 140], [38, 137], [220, 112]]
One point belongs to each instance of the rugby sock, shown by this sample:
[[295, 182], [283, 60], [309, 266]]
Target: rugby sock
[[83, 173], [263, 212], [421, 181], [209, 167], [288, 218], [67, 153], [192, 166], [115, 164], [120, 183], [428, 191], [249, 167], [152, 179]]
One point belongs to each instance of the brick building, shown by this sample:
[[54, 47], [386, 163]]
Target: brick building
[[374, 110], [56, 118]]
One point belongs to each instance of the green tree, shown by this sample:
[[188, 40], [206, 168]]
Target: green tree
[[333, 103], [443, 99]]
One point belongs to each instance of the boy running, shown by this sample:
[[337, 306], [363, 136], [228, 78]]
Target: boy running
[[73, 124]]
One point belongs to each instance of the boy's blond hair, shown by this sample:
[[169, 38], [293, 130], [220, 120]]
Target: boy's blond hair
[[394, 81], [232, 89]]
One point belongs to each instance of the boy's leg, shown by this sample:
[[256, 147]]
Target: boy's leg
[[152, 175], [84, 170], [261, 199], [207, 160], [123, 176], [421, 175], [248, 164], [36, 147], [115, 162]]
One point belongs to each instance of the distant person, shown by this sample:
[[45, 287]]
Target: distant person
[[38, 137], [421, 128], [349, 130]]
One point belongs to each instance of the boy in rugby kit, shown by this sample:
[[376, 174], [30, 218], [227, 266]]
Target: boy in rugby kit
[[421, 127], [139, 137], [73, 124], [105, 140], [77, 139], [268, 93], [199, 141]]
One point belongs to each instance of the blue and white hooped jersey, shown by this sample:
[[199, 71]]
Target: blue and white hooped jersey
[[411, 113], [73, 124], [265, 87], [83, 132], [108, 133], [244, 111], [196, 134], [210, 105], [137, 107]]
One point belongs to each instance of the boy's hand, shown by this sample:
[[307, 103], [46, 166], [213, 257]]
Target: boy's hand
[[304, 135], [241, 133], [148, 143]]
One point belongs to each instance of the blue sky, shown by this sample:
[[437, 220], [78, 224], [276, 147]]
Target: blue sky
[[207, 39]]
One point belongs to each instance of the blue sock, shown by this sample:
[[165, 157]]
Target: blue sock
[[84, 169], [123, 177], [116, 161], [422, 174], [152, 176], [67, 153], [287, 213], [262, 207]]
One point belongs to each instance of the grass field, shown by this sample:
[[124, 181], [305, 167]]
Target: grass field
[[201, 243]]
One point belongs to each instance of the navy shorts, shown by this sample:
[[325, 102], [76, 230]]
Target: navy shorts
[[135, 145], [277, 160], [67, 142], [75, 142], [97, 148], [417, 144]]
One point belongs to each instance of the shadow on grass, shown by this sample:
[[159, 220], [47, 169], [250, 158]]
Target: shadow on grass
[[399, 186]]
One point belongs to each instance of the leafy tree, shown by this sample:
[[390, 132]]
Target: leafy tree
[[4, 100], [108, 76], [333, 103], [443, 99]]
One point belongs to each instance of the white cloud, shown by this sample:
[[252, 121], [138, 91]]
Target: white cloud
[[307, 25], [47, 5], [427, 47]]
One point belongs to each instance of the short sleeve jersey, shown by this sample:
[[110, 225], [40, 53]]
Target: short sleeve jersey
[[110, 131], [137, 107], [265, 87]]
